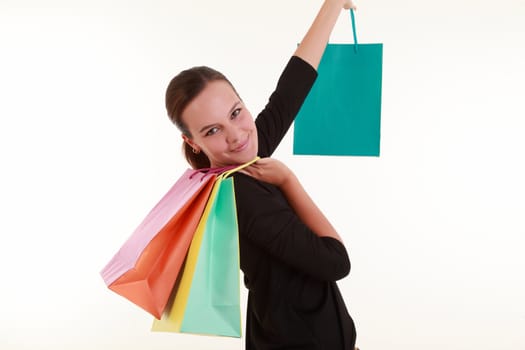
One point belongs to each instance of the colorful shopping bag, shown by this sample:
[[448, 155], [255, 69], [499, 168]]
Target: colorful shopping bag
[[145, 268], [207, 299], [342, 113], [172, 318]]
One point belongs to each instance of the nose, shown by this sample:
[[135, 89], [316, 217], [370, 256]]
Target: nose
[[233, 135]]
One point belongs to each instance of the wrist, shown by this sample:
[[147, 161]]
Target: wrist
[[346, 4], [339, 3]]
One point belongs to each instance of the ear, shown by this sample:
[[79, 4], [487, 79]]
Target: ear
[[196, 148]]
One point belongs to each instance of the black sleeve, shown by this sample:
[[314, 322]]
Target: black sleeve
[[267, 221], [285, 102]]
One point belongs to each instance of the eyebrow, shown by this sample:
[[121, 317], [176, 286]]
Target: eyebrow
[[204, 128]]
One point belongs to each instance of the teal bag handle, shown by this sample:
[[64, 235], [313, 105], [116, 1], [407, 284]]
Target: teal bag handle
[[352, 17]]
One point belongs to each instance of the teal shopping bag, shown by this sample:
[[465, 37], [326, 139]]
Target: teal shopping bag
[[213, 305], [342, 113]]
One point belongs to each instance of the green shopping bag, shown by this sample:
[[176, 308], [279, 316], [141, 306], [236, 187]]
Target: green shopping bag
[[342, 113], [213, 304]]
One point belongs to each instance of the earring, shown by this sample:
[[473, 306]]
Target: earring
[[196, 151]]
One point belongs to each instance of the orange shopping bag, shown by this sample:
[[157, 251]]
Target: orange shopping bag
[[146, 267]]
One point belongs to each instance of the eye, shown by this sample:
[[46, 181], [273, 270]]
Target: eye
[[212, 131], [236, 113]]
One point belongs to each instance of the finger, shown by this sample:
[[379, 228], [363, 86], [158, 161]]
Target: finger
[[251, 170], [262, 161]]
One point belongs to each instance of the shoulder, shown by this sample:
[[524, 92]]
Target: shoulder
[[251, 191], [257, 200]]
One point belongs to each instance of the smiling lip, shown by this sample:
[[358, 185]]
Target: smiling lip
[[242, 147]]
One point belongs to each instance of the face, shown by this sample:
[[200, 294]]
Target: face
[[221, 126]]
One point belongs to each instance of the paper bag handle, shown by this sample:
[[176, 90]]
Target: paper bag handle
[[352, 17], [242, 166], [222, 171]]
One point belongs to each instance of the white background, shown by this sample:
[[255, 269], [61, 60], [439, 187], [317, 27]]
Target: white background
[[434, 226]]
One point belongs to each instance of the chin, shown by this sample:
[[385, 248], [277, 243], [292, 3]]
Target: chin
[[242, 160], [247, 155], [250, 156]]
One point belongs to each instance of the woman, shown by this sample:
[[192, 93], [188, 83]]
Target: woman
[[290, 254]]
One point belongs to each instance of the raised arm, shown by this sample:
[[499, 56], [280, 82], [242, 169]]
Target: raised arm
[[314, 42]]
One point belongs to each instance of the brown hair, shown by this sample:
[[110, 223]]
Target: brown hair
[[182, 89]]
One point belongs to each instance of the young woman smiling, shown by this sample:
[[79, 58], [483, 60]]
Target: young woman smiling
[[290, 254]]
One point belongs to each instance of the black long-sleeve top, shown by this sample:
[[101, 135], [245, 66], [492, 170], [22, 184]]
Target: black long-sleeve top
[[290, 272]]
